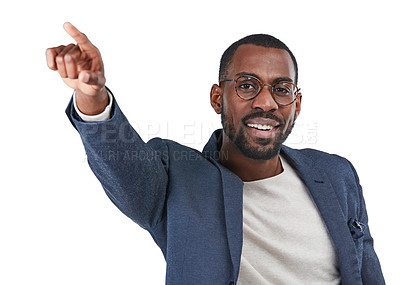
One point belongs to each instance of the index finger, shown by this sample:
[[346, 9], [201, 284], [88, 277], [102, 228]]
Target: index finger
[[80, 38]]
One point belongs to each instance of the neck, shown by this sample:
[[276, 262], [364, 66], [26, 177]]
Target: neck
[[246, 168]]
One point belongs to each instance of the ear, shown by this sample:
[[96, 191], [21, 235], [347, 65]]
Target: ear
[[216, 98], [298, 105]]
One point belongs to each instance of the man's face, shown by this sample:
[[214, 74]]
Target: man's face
[[246, 124]]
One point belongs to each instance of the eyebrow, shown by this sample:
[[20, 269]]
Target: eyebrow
[[276, 80], [280, 79]]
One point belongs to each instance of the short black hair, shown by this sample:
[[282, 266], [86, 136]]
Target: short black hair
[[258, 40]]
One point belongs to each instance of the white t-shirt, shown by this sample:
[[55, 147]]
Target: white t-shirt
[[285, 240]]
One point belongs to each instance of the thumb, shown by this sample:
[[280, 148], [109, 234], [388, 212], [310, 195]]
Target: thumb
[[92, 78]]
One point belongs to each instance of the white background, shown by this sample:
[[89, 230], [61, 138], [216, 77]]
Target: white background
[[161, 58]]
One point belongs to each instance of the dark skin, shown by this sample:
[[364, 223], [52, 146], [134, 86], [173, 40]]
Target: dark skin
[[269, 65]]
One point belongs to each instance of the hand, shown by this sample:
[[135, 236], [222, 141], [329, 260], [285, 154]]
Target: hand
[[81, 67]]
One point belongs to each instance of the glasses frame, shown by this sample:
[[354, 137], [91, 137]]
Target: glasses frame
[[296, 93]]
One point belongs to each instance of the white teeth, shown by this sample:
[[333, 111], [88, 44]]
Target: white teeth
[[260, 127]]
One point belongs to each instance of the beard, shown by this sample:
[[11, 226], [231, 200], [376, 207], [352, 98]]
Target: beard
[[263, 150]]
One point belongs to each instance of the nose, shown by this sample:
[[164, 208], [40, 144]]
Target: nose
[[264, 100]]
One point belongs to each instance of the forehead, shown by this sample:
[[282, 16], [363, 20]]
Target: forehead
[[267, 63]]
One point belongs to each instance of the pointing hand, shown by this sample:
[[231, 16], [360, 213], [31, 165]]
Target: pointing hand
[[80, 66]]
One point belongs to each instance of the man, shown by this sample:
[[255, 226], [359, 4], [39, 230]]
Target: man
[[247, 210]]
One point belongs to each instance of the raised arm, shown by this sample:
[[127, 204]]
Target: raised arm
[[81, 67], [133, 173]]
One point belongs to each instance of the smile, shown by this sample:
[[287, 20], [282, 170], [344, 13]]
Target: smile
[[260, 127]]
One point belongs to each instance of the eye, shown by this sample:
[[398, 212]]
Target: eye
[[283, 89], [246, 86]]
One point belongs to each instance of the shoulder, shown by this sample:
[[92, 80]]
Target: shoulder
[[316, 156], [323, 158], [333, 164]]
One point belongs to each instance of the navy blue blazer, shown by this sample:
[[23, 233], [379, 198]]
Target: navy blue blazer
[[192, 205]]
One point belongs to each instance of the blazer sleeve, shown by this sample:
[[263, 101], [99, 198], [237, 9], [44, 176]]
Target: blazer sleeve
[[132, 173], [371, 272]]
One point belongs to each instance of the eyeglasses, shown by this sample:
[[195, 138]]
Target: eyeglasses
[[247, 87]]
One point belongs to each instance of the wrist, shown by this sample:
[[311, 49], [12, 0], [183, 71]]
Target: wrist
[[92, 104]]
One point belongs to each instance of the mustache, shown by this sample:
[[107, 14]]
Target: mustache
[[261, 114]]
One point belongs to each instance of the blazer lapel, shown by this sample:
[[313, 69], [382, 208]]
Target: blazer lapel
[[232, 189], [329, 207]]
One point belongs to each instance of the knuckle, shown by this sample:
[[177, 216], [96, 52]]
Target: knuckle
[[59, 48], [69, 47], [75, 54]]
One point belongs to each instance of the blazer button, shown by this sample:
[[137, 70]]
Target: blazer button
[[231, 283]]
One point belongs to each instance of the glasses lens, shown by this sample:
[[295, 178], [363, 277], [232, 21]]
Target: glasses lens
[[247, 87], [284, 92]]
